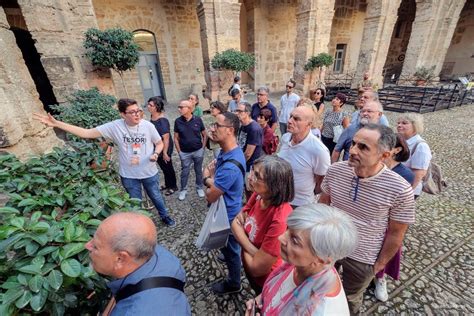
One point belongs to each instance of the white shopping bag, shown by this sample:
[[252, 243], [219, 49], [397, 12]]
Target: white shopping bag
[[215, 230]]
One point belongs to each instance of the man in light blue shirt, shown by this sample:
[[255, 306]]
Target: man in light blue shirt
[[368, 95], [288, 102], [125, 248]]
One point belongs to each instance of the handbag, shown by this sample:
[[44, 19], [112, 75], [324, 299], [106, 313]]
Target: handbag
[[216, 228], [432, 182], [337, 130]]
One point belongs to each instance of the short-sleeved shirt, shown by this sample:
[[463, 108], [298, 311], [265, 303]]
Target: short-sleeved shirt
[[264, 226], [133, 141], [371, 203], [355, 119], [404, 172], [256, 109], [308, 158], [419, 159], [331, 119], [190, 137], [345, 140], [251, 134], [229, 179], [162, 125], [287, 104]]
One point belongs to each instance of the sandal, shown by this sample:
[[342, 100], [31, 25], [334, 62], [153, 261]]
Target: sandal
[[169, 192]]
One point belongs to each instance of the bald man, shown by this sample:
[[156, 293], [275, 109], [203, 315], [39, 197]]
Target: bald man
[[124, 247], [307, 155]]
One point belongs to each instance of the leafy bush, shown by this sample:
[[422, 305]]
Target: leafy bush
[[232, 59], [88, 109], [318, 61], [56, 202], [424, 73]]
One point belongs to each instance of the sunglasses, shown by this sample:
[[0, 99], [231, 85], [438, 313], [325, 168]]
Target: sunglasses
[[289, 87]]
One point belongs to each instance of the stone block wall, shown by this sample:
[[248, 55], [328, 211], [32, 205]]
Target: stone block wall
[[176, 29]]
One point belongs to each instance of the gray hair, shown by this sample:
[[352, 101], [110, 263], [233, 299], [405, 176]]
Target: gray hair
[[332, 233], [374, 96], [248, 106], [263, 88], [415, 119], [278, 177], [387, 139], [138, 246]]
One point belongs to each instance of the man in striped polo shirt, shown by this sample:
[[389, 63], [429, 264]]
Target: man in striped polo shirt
[[379, 201]]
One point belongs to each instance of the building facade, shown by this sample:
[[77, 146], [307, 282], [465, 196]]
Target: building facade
[[43, 60]]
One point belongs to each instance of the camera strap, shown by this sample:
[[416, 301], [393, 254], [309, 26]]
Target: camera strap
[[149, 283]]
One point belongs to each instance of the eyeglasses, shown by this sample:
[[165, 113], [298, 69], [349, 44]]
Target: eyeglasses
[[216, 125], [261, 94], [255, 175], [182, 106], [139, 112], [368, 111], [296, 118], [239, 111], [289, 87], [354, 189]]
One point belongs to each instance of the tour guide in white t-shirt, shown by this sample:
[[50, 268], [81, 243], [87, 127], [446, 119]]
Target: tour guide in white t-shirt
[[379, 201], [307, 155], [139, 145]]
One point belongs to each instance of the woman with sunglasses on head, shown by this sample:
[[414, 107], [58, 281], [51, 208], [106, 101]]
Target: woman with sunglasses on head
[[257, 227], [156, 107]]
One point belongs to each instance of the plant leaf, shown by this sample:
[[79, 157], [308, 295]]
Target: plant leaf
[[24, 299], [71, 267], [55, 279], [69, 231], [38, 300], [35, 283], [18, 222], [11, 295], [9, 210], [40, 227], [30, 269], [70, 250]]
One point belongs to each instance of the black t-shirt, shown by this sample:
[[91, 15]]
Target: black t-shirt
[[251, 134], [190, 137], [162, 125]]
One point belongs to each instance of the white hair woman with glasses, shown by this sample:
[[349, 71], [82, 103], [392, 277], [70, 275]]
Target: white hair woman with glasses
[[308, 284], [410, 126]]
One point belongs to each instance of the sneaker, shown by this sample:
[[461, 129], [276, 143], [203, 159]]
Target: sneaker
[[220, 257], [168, 221], [381, 289], [201, 193], [182, 195], [221, 288]]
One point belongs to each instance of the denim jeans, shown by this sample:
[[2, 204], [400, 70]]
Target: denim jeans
[[231, 254], [134, 189], [187, 159]]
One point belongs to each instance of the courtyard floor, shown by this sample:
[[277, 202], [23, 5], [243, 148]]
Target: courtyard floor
[[437, 268]]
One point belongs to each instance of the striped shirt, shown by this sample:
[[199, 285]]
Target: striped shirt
[[371, 203]]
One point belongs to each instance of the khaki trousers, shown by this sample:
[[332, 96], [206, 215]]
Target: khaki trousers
[[356, 277]]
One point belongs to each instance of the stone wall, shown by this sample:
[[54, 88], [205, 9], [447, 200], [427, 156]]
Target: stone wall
[[176, 29], [460, 56], [19, 133]]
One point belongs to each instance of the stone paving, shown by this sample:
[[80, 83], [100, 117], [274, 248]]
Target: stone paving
[[437, 268]]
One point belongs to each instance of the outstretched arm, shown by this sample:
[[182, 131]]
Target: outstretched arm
[[50, 121]]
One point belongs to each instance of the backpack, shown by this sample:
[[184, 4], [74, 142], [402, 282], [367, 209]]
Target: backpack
[[432, 182], [230, 89]]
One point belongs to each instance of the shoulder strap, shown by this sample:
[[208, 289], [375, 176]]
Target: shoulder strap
[[238, 164], [416, 145], [149, 283]]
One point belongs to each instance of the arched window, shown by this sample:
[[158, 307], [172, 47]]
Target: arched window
[[145, 40]]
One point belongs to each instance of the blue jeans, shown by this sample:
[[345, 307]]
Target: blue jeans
[[134, 189], [231, 254], [187, 159]]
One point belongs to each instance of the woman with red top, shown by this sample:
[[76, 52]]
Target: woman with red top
[[270, 145], [263, 218]]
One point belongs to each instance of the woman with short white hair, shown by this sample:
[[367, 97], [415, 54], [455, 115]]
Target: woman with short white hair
[[410, 126], [307, 284]]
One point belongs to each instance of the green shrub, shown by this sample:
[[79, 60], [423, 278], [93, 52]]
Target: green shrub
[[232, 59], [56, 202], [318, 61]]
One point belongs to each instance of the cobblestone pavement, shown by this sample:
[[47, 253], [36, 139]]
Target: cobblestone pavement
[[437, 268]]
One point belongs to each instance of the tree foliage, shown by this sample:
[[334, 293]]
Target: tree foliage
[[111, 48], [56, 202], [234, 60], [318, 61]]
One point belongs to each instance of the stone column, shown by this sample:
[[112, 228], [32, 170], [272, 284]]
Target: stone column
[[431, 34], [220, 30], [58, 29], [379, 22], [313, 31], [19, 133]]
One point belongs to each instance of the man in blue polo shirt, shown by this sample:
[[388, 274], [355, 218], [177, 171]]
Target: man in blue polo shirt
[[225, 177], [189, 139], [264, 103]]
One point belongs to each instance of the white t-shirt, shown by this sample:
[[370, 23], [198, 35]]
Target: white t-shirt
[[133, 141], [287, 104], [307, 159], [331, 305], [420, 159]]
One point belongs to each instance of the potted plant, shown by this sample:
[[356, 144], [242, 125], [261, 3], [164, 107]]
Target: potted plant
[[112, 48], [423, 75], [88, 109], [319, 62], [232, 62]]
